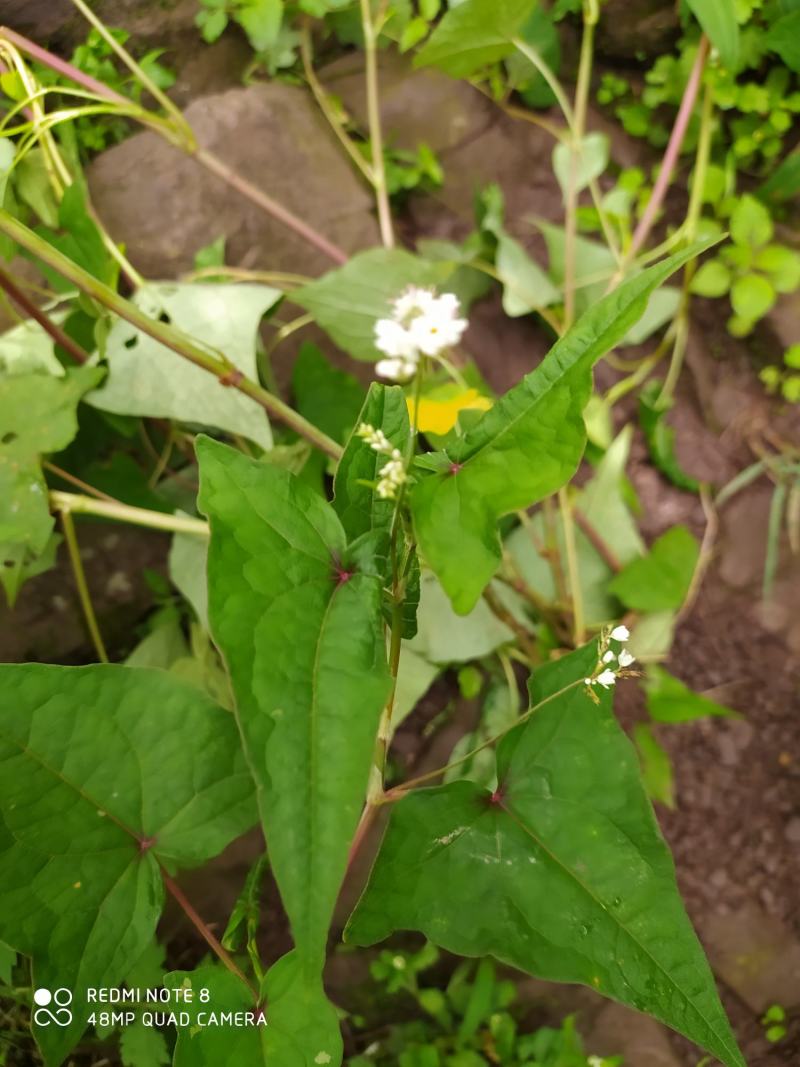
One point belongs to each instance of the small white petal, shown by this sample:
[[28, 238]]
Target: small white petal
[[609, 656], [396, 370], [606, 679], [394, 340], [620, 633], [626, 658]]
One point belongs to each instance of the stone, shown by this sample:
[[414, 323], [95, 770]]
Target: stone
[[151, 20], [417, 106], [164, 206], [637, 29], [637, 1038], [757, 955]]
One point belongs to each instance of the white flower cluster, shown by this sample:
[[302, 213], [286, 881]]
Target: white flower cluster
[[422, 324], [392, 474], [611, 664]]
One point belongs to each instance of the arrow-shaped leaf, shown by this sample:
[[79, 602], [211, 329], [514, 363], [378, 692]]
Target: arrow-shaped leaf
[[524, 448], [299, 625], [561, 871]]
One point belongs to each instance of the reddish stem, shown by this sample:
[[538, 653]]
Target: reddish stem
[[35, 312], [61, 66], [673, 150], [179, 897]]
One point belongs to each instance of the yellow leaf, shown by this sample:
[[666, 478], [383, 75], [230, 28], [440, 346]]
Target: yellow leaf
[[438, 412]]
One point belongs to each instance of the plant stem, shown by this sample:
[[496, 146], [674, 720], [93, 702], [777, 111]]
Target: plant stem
[[321, 96], [135, 69], [219, 167], [72, 503], [80, 582], [690, 229], [185, 346], [375, 132], [61, 66], [179, 897], [182, 138], [573, 568], [590, 16], [399, 791], [524, 639], [33, 311], [599, 543], [79, 483], [672, 152]]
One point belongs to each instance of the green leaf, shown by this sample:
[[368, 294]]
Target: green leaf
[[661, 580], [473, 35], [8, 151], [661, 309], [562, 871], [712, 279], [524, 448], [526, 286], [299, 626], [146, 378], [660, 437], [359, 508], [80, 241], [261, 20], [188, 560], [32, 186], [27, 349], [782, 264], [669, 700], [348, 301], [37, 416], [592, 159], [8, 960], [444, 637], [143, 1046], [656, 766], [751, 224], [211, 255], [783, 37], [299, 1029], [107, 773], [718, 19], [328, 397], [752, 296]]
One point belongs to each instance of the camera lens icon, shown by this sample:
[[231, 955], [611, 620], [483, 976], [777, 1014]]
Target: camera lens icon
[[60, 1015]]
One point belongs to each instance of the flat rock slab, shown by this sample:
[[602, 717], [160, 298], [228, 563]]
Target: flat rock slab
[[758, 956], [164, 206]]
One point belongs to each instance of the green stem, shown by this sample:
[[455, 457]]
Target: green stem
[[375, 133], [147, 83], [573, 568], [73, 503], [185, 346], [399, 792], [590, 15], [321, 96], [80, 582]]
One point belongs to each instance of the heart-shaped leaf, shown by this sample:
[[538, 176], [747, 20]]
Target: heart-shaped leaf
[[561, 870], [106, 774]]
